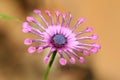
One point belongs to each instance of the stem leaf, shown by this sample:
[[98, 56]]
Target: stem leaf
[[8, 17]]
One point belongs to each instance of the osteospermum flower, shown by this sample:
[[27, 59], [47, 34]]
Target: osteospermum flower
[[58, 36]]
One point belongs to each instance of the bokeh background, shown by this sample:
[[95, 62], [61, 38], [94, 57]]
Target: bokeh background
[[17, 64]]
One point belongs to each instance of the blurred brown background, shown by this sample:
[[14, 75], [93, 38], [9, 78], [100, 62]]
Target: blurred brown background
[[17, 64]]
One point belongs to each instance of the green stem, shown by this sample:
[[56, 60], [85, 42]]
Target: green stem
[[49, 65]]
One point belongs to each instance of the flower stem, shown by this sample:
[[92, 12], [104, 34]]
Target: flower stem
[[49, 65]]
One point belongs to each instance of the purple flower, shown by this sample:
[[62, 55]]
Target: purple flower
[[60, 37]]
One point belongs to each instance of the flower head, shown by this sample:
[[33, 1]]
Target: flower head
[[58, 36]]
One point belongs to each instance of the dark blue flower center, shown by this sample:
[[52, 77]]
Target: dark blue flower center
[[59, 40]]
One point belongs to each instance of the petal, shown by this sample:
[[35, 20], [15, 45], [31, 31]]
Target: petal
[[62, 61], [82, 60], [72, 60], [27, 41], [31, 49], [46, 59]]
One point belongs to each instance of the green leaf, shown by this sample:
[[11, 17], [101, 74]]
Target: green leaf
[[8, 17]]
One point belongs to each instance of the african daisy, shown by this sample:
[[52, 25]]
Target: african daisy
[[58, 36]]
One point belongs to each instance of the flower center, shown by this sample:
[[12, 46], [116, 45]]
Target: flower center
[[59, 40]]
